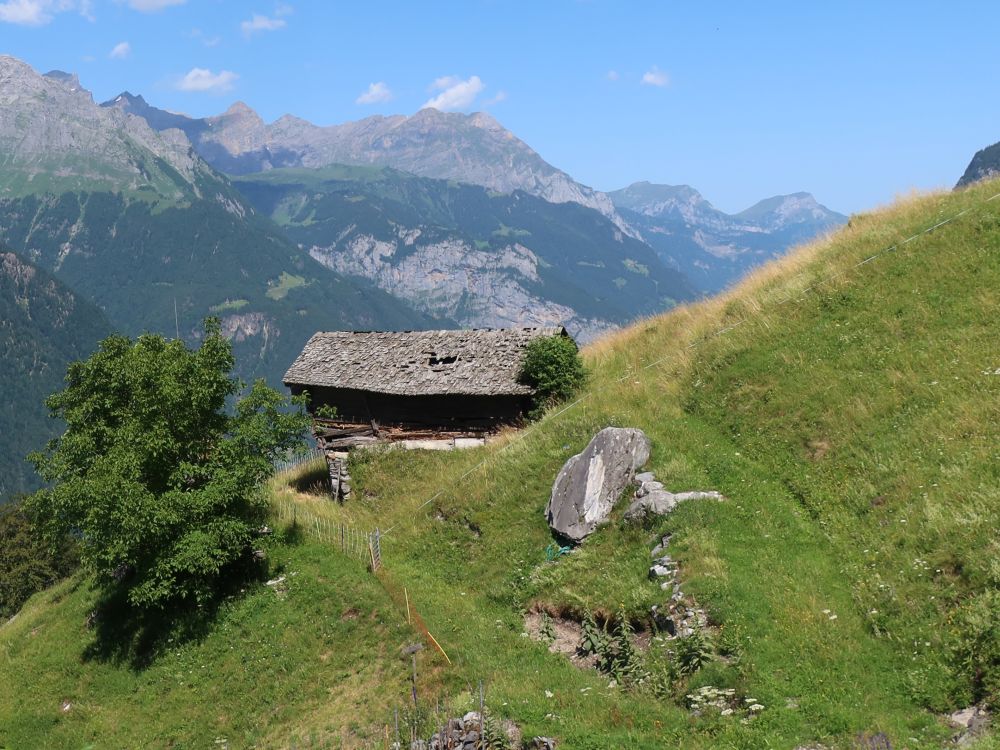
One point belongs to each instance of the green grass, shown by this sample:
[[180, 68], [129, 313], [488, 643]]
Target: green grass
[[271, 673], [229, 305], [854, 432], [849, 420], [286, 282]]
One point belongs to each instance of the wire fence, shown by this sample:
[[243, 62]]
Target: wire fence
[[364, 546], [296, 459]]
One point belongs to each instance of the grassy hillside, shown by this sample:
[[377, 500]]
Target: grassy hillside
[[850, 414]]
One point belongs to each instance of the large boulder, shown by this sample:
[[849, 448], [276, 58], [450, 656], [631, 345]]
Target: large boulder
[[590, 483]]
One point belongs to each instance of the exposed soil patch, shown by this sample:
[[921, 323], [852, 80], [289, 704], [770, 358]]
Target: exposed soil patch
[[567, 637]]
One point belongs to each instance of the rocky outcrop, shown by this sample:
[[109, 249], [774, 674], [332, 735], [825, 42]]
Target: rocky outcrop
[[657, 501], [470, 732], [590, 483]]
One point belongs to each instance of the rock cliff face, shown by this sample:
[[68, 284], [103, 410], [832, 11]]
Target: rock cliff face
[[714, 248], [471, 148], [460, 252], [453, 279]]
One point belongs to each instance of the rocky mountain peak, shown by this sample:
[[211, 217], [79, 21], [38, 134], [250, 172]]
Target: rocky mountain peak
[[69, 80], [50, 124], [657, 200], [241, 109], [784, 210]]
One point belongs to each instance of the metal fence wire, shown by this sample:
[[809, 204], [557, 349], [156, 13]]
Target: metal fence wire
[[364, 546]]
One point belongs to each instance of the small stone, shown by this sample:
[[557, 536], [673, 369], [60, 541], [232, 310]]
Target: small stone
[[646, 476], [658, 571], [646, 487]]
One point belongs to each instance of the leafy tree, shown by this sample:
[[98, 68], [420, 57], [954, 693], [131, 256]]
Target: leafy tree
[[163, 485], [553, 367], [27, 562]]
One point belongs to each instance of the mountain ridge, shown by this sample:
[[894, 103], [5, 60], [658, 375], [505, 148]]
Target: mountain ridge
[[458, 250], [472, 148], [714, 248], [136, 222]]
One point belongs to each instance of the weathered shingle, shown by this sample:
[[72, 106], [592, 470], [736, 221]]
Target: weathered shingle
[[477, 362]]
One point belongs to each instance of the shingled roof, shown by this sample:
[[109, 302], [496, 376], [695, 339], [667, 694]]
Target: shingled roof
[[413, 363]]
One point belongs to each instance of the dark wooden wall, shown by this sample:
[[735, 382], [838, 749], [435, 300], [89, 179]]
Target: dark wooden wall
[[439, 411]]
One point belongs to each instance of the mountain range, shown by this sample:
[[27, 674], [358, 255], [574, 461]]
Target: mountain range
[[157, 220], [460, 251], [444, 145], [136, 222], [713, 248]]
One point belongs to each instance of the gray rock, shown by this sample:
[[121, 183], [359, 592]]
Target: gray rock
[[646, 476], [657, 503], [590, 483], [471, 719], [648, 487], [543, 743], [661, 502], [659, 571]]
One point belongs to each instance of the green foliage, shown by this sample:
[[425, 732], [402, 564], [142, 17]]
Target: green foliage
[[693, 651], [28, 563], [162, 483], [730, 643], [326, 411], [618, 655], [546, 630], [553, 367], [43, 327], [977, 652], [493, 735], [593, 639]]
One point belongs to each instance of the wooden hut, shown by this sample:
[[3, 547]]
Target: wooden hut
[[428, 389]]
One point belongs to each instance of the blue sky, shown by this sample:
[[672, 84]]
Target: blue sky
[[855, 102]]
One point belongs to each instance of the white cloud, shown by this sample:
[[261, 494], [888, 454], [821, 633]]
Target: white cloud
[[612, 75], [120, 51], [377, 92], [152, 6], [208, 41], [655, 77], [455, 93], [496, 99], [258, 22], [202, 79], [39, 12]]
